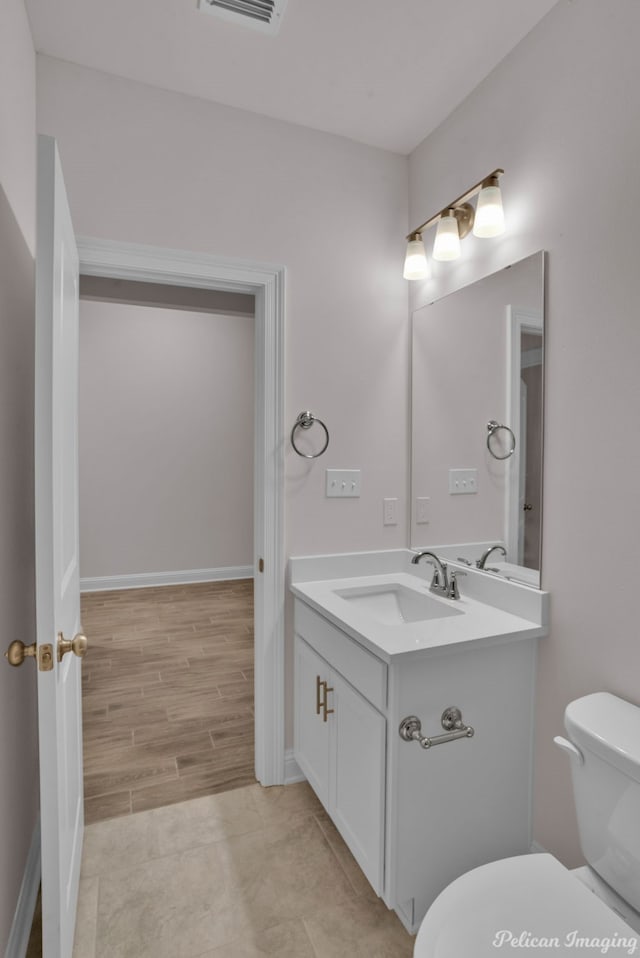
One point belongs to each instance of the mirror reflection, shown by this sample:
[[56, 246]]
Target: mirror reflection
[[477, 404]]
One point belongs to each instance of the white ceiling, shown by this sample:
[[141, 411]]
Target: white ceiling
[[384, 72]]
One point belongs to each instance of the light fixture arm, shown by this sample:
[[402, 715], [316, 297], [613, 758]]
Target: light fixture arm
[[458, 206]]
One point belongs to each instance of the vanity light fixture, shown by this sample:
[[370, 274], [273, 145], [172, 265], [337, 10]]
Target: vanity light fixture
[[489, 218], [416, 265], [454, 222], [446, 245]]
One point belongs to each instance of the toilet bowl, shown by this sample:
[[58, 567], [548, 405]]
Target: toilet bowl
[[532, 901], [529, 902]]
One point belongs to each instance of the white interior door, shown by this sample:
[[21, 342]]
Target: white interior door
[[57, 571]]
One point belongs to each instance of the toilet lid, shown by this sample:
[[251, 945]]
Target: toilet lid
[[529, 902]]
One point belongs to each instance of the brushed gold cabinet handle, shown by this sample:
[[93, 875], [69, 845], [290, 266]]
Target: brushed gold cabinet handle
[[77, 645], [322, 689], [327, 711]]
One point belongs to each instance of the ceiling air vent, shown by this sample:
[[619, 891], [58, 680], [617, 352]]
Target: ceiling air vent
[[264, 15]]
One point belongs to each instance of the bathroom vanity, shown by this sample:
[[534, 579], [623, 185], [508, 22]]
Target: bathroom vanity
[[373, 647]]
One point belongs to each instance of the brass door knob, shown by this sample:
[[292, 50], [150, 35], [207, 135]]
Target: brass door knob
[[77, 645], [18, 652]]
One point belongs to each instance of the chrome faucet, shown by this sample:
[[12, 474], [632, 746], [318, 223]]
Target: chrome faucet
[[480, 563], [440, 584]]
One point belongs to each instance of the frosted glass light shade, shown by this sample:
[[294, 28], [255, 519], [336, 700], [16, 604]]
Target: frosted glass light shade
[[489, 219], [415, 262], [446, 245]]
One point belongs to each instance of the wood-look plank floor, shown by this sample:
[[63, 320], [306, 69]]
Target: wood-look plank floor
[[167, 695]]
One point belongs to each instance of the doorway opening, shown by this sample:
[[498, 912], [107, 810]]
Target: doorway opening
[[166, 541], [174, 268]]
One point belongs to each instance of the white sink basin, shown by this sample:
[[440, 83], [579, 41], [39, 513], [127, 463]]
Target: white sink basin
[[393, 603]]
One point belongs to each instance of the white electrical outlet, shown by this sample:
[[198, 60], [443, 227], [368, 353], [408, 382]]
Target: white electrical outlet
[[390, 512], [422, 509], [463, 482], [343, 483]]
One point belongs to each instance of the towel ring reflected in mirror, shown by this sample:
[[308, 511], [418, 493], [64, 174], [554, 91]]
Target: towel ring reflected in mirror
[[494, 428], [305, 421]]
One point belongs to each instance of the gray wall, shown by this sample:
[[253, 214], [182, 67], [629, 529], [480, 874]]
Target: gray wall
[[18, 709], [561, 115], [166, 438]]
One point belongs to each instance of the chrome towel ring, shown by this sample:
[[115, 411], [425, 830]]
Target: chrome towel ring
[[305, 421], [493, 428]]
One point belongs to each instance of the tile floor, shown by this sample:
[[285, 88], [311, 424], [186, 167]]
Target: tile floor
[[231, 874], [241, 874], [167, 695]]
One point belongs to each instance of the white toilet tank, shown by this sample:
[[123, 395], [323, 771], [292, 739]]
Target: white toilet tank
[[606, 787]]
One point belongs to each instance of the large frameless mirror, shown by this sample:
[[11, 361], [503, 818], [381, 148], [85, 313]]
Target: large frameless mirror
[[477, 417]]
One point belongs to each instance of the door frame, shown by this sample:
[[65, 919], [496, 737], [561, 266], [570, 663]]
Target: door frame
[[115, 260], [519, 321]]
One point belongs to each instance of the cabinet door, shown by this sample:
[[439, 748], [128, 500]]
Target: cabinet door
[[311, 746], [358, 746]]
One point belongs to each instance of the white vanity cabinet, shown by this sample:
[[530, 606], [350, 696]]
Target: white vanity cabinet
[[416, 818], [340, 736]]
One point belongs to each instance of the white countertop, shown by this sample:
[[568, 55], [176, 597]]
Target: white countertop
[[480, 622]]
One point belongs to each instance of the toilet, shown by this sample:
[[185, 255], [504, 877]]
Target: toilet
[[532, 901]]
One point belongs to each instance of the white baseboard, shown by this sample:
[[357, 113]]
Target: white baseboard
[[27, 897], [292, 772], [536, 848], [143, 580]]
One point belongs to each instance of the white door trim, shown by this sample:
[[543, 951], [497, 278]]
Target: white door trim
[[157, 265], [519, 321]]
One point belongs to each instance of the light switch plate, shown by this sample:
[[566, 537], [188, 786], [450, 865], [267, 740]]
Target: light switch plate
[[343, 483], [463, 482]]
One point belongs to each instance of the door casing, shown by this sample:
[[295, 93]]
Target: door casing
[[266, 282]]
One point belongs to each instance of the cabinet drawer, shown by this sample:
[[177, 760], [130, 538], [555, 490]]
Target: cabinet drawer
[[358, 666]]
